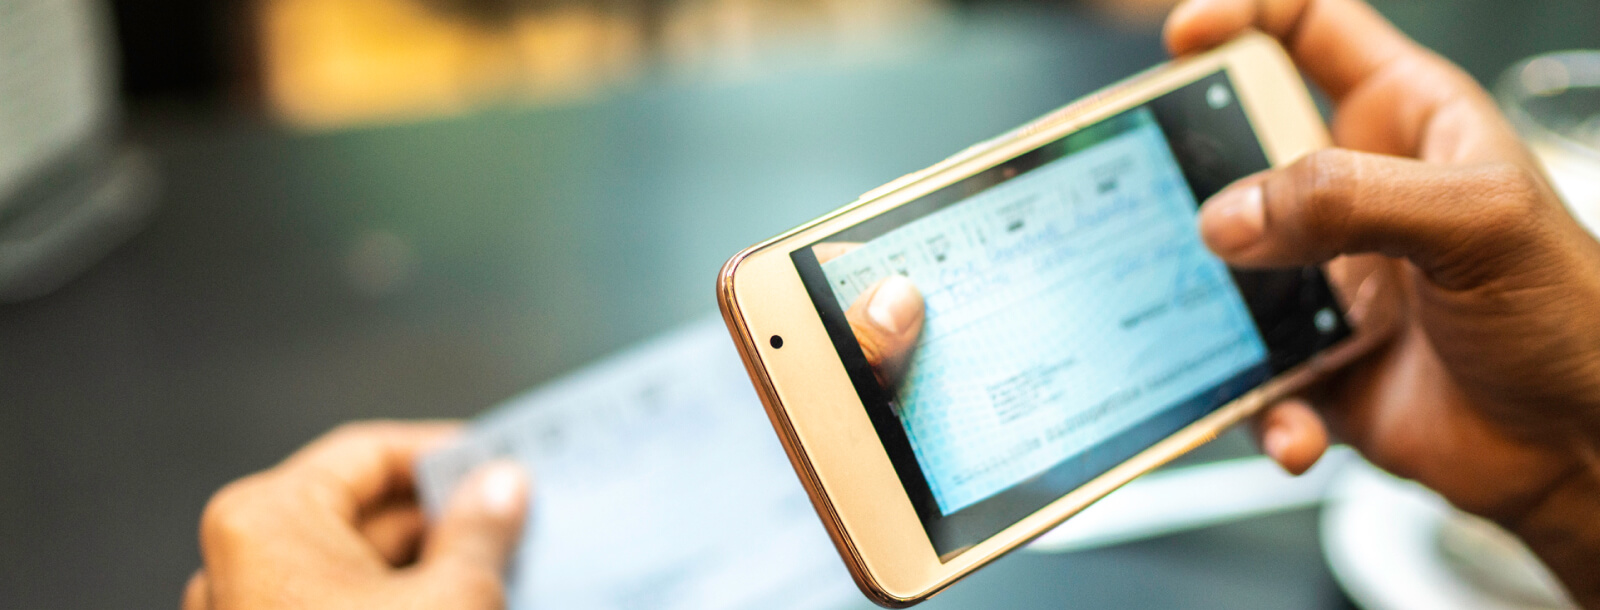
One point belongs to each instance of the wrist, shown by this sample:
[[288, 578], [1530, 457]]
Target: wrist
[[1564, 531]]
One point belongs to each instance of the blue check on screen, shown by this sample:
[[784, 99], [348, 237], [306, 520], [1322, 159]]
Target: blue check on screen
[[1064, 306]]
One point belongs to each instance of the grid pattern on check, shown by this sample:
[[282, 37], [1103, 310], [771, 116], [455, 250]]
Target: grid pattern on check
[[1063, 306]]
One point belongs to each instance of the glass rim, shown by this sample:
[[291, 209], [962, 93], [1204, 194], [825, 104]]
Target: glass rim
[[1512, 89]]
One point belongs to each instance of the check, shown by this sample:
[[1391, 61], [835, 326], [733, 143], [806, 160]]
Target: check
[[1064, 306], [659, 485]]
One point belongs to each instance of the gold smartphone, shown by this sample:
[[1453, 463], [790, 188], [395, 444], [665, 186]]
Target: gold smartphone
[[1075, 331]]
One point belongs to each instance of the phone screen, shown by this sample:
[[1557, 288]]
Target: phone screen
[[1073, 315]]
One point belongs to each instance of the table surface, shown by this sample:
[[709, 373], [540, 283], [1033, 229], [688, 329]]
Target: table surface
[[293, 281]]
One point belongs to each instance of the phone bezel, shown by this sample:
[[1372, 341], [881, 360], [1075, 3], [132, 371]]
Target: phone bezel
[[818, 414]]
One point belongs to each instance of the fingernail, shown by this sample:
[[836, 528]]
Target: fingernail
[[895, 306], [502, 486], [1275, 442], [1234, 219]]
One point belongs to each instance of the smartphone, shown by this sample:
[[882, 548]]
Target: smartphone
[[1076, 331]]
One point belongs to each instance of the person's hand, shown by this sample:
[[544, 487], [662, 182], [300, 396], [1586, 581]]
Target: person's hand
[[337, 525], [886, 319], [1490, 392]]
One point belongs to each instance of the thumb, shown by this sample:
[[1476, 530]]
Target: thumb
[[887, 320], [465, 556], [1461, 225]]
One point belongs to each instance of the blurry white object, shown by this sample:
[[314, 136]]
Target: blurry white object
[[1192, 497], [1554, 102], [661, 486], [1394, 545], [67, 195]]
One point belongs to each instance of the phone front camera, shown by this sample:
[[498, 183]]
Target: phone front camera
[[777, 342], [1325, 320], [1218, 96]]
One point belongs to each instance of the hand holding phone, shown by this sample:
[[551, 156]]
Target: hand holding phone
[[971, 354], [1490, 393]]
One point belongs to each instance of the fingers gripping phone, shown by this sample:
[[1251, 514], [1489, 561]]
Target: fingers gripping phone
[[1056, 327]]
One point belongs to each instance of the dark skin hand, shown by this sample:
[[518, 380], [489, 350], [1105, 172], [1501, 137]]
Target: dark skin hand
[[1435, 220], [1490, 392]]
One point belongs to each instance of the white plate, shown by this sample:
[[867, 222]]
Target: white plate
[[1393, 544]]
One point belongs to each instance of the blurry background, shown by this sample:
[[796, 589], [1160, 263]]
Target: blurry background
[[417, 208]]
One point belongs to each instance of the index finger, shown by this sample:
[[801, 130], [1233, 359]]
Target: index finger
[[358, 465], [1395, 97], [1339, 43]]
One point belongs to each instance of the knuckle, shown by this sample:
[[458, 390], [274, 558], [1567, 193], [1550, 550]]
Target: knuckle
[[1512, 204], [1324, 186], [234, 513], [1495, 223], [1520, 184]]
